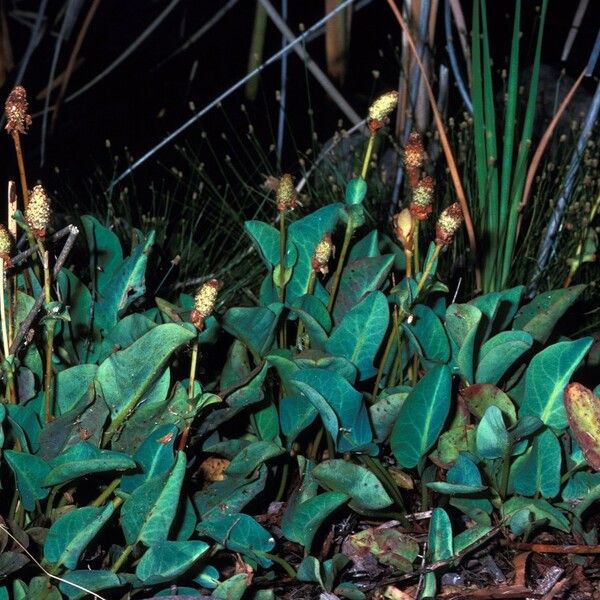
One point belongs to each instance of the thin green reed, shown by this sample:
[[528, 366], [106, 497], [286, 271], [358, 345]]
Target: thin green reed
[[499, 190]]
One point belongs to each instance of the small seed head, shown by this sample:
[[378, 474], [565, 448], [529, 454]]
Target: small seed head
[[421, 205], [37, 213], [447, 225], [286, 193], [15, 110], [381, 109], [204, 302], [403, 228], [322, 255]]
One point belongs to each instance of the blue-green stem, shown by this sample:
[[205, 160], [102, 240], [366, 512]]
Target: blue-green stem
[[340, 266]]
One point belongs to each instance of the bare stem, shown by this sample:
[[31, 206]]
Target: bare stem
[[21, 163], [192, 381], [340, 266], [367, 158]]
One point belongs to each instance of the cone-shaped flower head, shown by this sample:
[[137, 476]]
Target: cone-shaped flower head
[[37, 213], [204, 302], [403, 228], [381, 109], [286, 193], [447, 224], [15, 110], [323, 251], [422, 199], [414, 157], [6, 244]]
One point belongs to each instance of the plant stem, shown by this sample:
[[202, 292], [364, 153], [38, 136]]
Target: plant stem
[[282, 481], [193, 365], [300, 330], [11, 395], [340, 266], [383, 360], [284, 564], [104, 495], [49, 337], [427, 268], [21, 163], [505, 473], [122, 558], [408, 259], [415, 237], [375, 466], [367, 158], [282, 330]]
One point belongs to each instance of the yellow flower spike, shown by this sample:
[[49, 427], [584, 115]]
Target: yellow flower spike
[[286, 193], [37, 213], [448, 224], [15, 110], [322, 254], [204, 302]]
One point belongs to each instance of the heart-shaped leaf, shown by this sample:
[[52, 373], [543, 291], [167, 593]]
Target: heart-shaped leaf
[[499, 353], [546, 379], [492, 438], [422, 417]]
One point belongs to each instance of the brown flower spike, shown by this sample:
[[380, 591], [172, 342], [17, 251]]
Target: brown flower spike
[[6, 244], [322, 255], [448, 224], [15, 110], [380, 110], [37, 213], [414, 157], [286, 193], [422, 199], [204, 302]]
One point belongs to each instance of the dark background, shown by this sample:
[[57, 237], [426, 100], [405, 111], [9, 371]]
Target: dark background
[[146, 96]]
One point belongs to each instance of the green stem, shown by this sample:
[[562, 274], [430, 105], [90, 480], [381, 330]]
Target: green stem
[[122, 558], [48, 399], [284, 564], [505, 473], [428, 268], [383, 361], [192, 380], [367, 158], [314, 449], [282, 241], [283, 481], [110, 488], [311, 287], [375, 466], [340, 266], [330, 445], [416, 246], [51, 498]]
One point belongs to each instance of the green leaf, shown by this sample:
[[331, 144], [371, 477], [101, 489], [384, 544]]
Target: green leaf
[[498, 354], [154, 457], [368, 246], [364, 489], [337, 402], [255, 326], [481, 396], [427, 334], [148, 513], [233, 588], [359, 334], [126, 376], [302, 525], [439, 546], [127, 331], [252, 457], [240, 533], [422, 417], [30, 472], [70, 535], [126, 284], [94, 580], [106, 255], [71, 385], [463, 325], [165, 561], [25, 421], [305, 234], [315, 317], [230, 495], [385, 412], [546, 379], [541, 315], [360, 277], [583, 412], [462, 478], [266, 240], [310, 571], [534, 509], [538, 470], [85, 459], [296, 413], [492, 438], [580, 492], [242, 398], [470, 537]]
